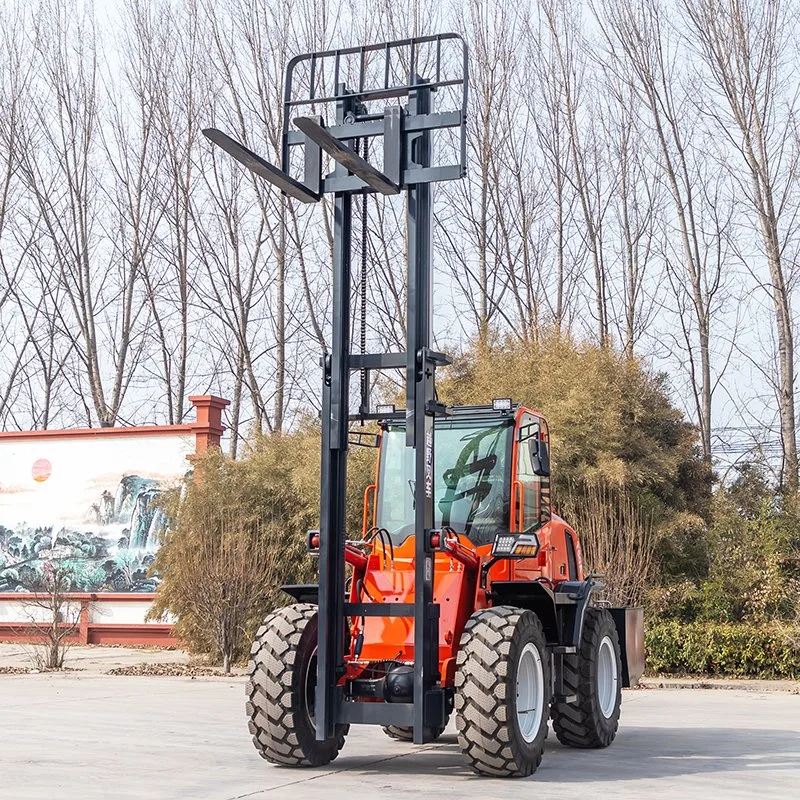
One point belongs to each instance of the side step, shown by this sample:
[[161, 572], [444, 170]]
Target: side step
[[566, 698]]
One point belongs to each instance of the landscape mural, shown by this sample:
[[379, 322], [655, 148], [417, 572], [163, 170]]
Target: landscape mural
[[89, 505]]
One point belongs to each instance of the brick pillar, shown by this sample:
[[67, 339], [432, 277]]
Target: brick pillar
[[208, 428], [83, 627]]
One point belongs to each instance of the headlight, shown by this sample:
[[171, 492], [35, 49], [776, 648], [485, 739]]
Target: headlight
[[515, 545]]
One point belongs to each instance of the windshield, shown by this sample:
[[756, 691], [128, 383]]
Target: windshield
[[470, 480]]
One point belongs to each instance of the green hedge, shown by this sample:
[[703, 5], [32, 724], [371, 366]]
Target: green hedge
[[722, 649]]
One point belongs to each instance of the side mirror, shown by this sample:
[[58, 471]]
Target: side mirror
[[540, 457]]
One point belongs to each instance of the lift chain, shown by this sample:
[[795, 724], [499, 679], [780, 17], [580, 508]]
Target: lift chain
[[363, 339]]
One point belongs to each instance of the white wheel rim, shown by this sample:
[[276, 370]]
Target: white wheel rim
[[310, 686], [607, 677], [530, 692]]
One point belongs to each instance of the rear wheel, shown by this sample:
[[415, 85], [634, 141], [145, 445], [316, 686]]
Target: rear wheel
[[407, 734], [594, 676], [281, 688], [502, 691]]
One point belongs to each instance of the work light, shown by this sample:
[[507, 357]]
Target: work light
[[515, 545]]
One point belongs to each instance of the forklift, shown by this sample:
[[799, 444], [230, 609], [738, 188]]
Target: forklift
[[463, 594]]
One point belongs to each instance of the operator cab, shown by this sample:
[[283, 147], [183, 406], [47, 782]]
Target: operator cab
[[489, 474]]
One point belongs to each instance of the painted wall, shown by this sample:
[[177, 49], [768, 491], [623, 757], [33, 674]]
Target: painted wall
[[101, 611], [86, 504]]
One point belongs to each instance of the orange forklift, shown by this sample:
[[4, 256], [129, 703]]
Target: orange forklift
[[463, 593]]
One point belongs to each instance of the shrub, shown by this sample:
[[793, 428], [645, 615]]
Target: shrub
[[612, 421], [617, 540], [239, 534], [722, 649], [744, 567], [680, 600], [234, 538], [753, 572]]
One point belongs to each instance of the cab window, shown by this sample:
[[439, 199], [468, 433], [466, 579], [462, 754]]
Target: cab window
[[532, 489]]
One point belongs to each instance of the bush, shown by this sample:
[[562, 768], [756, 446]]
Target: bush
[[743, 568], [722, 649], [679, 600], [233, 539], [617, 541], [239, 534], [612, 421], [754, 574], [625, 460]]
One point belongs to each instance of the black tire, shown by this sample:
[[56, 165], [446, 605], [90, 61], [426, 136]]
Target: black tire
[[489, 655], [280, 691], [407, 734], [583, 723]]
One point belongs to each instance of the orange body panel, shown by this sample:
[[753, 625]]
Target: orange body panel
[[392, 581], [389, 578]]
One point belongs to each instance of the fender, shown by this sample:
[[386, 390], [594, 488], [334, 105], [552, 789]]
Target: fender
[[629, 622], [572, 600], [561, 611], [303, 592]]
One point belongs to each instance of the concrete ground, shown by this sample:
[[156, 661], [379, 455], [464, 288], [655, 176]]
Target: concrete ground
[[88, 736]]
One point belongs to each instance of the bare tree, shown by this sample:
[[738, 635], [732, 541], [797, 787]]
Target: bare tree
[[153, 170], [562, 23], [244, 215], [640, 48], [53, 618], [543, 97], [618, 539], [519, 196], [13, 77], [470, 226], [59, 165], [745, 46], [42, 385], [636, 207]]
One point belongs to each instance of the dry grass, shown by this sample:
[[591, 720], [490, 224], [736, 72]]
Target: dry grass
[[617, 540]]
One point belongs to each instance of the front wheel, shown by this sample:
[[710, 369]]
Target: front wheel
[[502, 691], [594, 676], [281, 689]]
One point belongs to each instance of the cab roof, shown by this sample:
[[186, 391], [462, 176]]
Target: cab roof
[[477, 413]]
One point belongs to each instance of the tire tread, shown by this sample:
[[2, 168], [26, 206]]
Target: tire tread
[[481, 703], [272, 702], [577, 724]]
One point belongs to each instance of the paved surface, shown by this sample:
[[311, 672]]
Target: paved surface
[[93, 737]]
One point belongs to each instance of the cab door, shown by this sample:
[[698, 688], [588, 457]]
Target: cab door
[[531, 511], [531, 489]]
